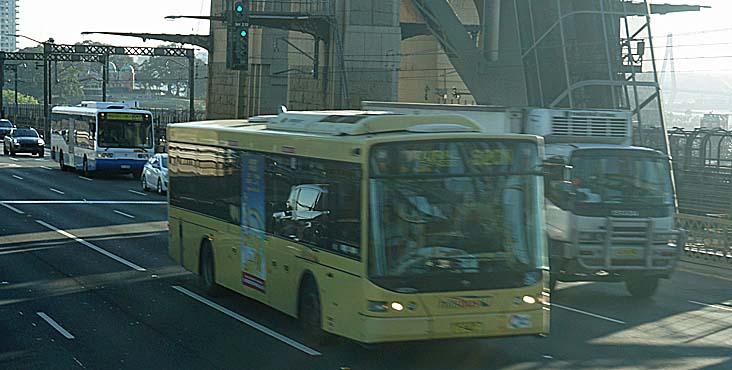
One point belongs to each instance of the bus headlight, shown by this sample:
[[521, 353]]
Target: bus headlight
[[105, 155], [528, 299], [396, 306]]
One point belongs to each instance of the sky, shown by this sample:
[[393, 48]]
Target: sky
[[701, 39], [64, 20]]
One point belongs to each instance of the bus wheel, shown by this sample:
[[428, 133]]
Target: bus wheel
[[41, 153], [61, 165], [206, 271], [85, 168], [642, 286], [310, 312]]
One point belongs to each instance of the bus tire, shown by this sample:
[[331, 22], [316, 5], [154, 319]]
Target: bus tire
[[310, 311], [642, 286], [41, 154], [206, 270], [85, 168], [61, 164]]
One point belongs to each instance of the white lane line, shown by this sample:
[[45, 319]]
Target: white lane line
[[123, 214], [46, 168], [55, 325], [148, 202], [137, 192], [14, 159], [92, 246], [17, 177], [8, 206], [56, 191], [588, 313], [251, 323], [85, 178], [712, 305]]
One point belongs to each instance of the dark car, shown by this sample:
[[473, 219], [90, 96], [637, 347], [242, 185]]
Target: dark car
[[5, 127], [23, 140]]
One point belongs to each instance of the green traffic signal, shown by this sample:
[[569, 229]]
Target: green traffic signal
[[239, 8], [243, 33]]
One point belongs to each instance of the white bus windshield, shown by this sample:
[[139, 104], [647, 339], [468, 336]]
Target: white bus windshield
[[125, 130]]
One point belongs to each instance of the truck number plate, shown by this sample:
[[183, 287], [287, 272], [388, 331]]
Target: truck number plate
[[626, 252], [466, 327]]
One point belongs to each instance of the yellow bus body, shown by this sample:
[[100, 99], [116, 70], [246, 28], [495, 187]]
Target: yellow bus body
[[343, 282]]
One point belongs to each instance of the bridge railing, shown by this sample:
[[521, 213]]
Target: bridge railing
[[710, 239]]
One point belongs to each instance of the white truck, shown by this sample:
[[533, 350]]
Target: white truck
[[609, 205]]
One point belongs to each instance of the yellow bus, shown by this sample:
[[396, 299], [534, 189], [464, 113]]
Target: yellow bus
[[372, 226]]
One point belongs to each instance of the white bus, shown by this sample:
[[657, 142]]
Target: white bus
[[113, 137]]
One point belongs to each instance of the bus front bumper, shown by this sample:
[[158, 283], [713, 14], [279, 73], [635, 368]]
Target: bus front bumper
[[120, 165], [382, 329]]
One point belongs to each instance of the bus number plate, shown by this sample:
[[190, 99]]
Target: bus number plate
[[466, 327], [125, 166], [626, 252]]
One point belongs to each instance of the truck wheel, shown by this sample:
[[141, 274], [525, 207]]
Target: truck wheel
[[310, 312], [642, 286]]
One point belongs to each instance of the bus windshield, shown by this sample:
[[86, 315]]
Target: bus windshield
[[445, 215], [125, 130], [621, 177]]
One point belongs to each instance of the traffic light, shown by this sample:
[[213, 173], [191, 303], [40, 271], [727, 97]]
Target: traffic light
[[237, 53], [237, 48], [239, 12]]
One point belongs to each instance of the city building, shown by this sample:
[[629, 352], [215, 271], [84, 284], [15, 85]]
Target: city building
[[8, 24]]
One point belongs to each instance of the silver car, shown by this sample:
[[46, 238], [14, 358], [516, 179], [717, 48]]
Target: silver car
[[155, 173]]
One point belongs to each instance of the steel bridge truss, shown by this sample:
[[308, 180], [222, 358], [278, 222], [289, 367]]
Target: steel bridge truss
[[96, 54]]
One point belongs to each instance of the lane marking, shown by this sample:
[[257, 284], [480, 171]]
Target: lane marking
[[17, 177], [57, 191], [55, 325], [588, 313], [137, 192], [85, 178], [123, 214], [8, 206], [14, 159], [712, 305], [249, 322], [83, 202], [703, 274], [92, 246], [46, 168]]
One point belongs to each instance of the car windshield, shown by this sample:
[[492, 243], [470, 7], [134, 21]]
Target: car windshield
[[616, 177], [25, 132], [480, 221]]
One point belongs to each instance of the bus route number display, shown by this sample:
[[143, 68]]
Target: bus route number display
[[124, 117]]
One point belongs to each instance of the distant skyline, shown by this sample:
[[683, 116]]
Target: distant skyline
[[701, 39]]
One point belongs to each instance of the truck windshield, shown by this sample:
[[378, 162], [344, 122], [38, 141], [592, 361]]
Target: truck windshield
[[455, 215], [621, 177]]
